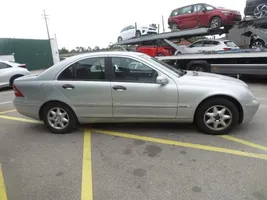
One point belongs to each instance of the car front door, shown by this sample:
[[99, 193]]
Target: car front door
[[136, 94], [85, 85], [202, 17], [187, 18], [5, 74]]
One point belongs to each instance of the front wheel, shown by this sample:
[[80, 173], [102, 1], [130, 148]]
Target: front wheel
[[215, 23], [174, 27], [59, 118], [216, 116]]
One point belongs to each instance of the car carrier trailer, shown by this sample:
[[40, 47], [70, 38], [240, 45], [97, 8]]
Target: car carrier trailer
[[243, 62]]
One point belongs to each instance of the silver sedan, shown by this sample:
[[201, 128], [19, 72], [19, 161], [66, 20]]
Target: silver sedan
[[122, 87]]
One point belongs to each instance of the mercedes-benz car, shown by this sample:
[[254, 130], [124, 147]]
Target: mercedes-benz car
[[120, 87], [256, 8]]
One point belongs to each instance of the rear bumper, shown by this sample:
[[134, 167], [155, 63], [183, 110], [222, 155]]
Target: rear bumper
[[25, 109], [250, 110]]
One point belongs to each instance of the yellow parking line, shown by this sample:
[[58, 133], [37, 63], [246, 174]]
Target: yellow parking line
[[87, 186], [183, 144], [8, 111], [257, 146], [20, 119], [3, 195]]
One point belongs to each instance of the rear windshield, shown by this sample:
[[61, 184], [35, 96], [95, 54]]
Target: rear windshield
[[230, 44]]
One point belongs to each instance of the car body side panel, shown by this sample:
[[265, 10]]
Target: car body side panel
[[145, 100], [89, 98]]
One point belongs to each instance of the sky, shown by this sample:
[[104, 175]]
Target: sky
[[88, 22]]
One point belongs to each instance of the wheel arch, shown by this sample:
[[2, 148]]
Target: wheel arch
[[54, 101], [12, 78], [224, 96]]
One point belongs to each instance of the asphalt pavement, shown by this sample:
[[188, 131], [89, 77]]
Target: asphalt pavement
[[132, 161]]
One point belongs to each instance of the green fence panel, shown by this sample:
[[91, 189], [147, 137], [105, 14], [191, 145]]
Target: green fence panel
[[36, 54]]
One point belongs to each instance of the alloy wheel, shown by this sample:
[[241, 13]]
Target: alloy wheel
[[58, 118], [260, 11], [218, 118], [214, 23]]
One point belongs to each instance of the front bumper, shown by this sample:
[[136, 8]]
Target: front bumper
[[231, 19], [147, 32], [250, 110]]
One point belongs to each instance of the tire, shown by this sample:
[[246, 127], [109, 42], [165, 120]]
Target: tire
[[215, 23], [71, 117], [11, 81], [260, 11], [138, 34], [258, 43], [199, 68], [201, 116], [119, 39]]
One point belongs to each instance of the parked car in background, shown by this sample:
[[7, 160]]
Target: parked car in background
[[139, 89], [129, 32], [202, 15], [256, 8], [155, 48], [209, 45], [9, 71]]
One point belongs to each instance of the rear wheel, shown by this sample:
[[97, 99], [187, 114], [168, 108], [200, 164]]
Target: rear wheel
[[59, 118], [216, 116], [215, 22]]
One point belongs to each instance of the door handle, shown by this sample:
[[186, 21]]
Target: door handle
[[68, 87], [119, 88]]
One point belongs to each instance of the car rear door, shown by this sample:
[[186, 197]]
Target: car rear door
[[136, 94], [85, 85], [187, 18]]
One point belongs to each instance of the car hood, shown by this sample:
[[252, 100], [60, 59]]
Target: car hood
[[213, 79]]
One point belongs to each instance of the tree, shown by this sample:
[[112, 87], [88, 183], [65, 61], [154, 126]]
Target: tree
[[96, 48], [63, 50]]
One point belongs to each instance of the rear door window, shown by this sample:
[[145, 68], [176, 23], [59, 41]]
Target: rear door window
[[209, 43], [230, 44]]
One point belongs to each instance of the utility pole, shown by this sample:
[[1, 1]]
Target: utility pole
[[163, 28], [45, 18]]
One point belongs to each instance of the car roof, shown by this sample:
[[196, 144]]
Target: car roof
[[190, 5]]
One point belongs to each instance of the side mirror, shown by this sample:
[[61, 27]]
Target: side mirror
[[203, 10], [162, 80]]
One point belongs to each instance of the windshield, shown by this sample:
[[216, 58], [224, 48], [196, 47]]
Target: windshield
[[169, 67]]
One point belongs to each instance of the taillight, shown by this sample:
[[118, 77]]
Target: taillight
[[22, 65], [17, 92], [226, 49]]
